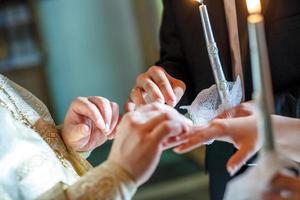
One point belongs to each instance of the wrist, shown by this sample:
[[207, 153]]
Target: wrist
[[124, 178]]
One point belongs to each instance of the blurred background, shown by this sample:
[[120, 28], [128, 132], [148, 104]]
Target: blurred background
[[61, 49]]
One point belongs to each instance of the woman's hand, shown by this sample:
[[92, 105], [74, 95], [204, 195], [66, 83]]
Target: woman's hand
[[89, 122], [240, 131]]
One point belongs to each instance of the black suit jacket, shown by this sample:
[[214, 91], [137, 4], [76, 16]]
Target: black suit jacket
[[184, 55]]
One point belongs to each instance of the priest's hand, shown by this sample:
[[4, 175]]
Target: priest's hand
[[140, 138], [89, 122], [240, 131], [155, 85], [283, 187]]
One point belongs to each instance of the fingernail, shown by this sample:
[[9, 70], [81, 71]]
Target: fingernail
[[106, 128], [101, 125], [232, 170], [171, 103], [177, 150], [178, 91]]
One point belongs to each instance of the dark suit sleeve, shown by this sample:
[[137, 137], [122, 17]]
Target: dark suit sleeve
[[172, 58]]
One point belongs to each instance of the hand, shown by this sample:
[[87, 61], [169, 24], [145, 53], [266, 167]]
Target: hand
[[140, 136], [240, 131], [155, 85], [283, 187], [89, 122]]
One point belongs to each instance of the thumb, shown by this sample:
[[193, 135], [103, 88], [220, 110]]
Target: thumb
[[178, 86], [238, 159], [79, 135]]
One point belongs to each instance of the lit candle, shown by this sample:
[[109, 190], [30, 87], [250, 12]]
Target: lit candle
[[213, 53], [261, 71]]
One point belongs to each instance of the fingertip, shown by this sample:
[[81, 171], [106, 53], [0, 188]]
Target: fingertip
[[178, 92], [107, 128], [111, 137], [176, 150], [233, 168], [179, 150], [101, 125], [171, 103]]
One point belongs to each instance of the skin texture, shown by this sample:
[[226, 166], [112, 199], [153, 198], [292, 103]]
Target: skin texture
[[140, 138], [89, 122], [155, 85]]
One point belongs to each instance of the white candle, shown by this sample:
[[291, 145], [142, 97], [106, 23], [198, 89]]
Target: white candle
[[261, 72], [213, 53]]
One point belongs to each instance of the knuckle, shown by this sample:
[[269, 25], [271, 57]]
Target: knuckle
[[155, 69], [104, 101], [167, 126], [141, 78], [218, 123], [80, 99], [163, 83], [100, 99], [129, 118], [114, 104], [147, 84], [155, 105], [167, 115]]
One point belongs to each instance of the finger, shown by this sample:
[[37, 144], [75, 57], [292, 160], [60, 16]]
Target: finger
[[104, 107], [79, 136], [114, 120], [238, 111], [178, 86], [159, 77], [162, 108], [166, 129], [151, 107], [173, 141], [156, 107], [152, 90], [82, 106], [136, 97], [240, 158], [191, 144], [286, 182], [96, 139], [129, 106], [201, 135], [155, 121]]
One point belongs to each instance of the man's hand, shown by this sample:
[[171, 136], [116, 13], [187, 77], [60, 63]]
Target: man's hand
[[89, 122], [155, 85], [240, 131], [140, 138]]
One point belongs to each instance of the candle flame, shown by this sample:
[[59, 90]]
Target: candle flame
[[254, 6], [200, 1]]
